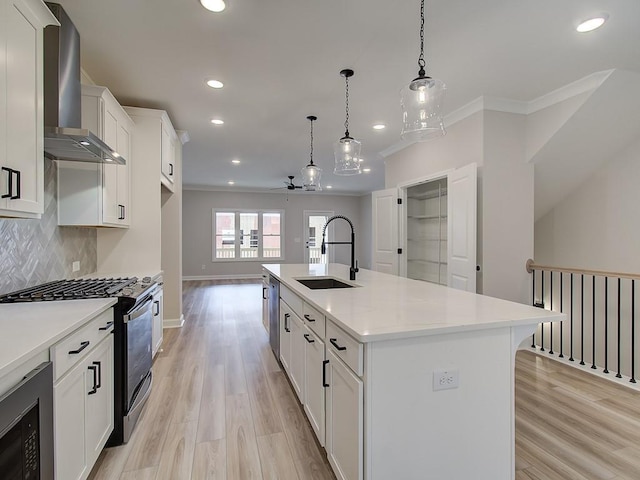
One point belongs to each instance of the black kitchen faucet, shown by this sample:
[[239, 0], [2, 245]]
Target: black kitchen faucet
[[323, 249]]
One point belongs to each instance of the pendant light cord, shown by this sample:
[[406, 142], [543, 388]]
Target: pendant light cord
[[346, 121], [311, 154], [421, 62]]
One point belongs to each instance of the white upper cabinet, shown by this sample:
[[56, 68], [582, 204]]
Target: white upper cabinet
[[98, 194], [168, 162], [21, 107]]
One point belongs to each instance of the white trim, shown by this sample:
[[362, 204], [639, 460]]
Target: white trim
[[213, 188], [239, 276], [521, 107], [173, 322], [427, 178]]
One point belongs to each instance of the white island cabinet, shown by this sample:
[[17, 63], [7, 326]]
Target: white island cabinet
[[386, 342]]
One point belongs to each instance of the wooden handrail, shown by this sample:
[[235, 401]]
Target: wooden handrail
[[531, 266]]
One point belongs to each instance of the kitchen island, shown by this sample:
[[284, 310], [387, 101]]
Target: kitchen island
[[418, 378]]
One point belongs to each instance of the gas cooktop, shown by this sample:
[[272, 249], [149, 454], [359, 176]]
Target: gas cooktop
[[80, 288]]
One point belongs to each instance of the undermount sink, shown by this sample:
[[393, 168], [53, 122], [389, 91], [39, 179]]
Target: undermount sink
[[323, 283]]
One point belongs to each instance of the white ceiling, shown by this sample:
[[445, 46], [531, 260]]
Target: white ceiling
[[280, 61]]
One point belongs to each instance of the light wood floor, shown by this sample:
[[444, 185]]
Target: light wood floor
[[221, 408]]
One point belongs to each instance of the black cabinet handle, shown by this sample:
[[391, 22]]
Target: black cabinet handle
[[286, 322], [309, 319], [99, 365], [94, 369], [106, 327], [83, 345], [171, 169], [156, 303], [17, 195], [335, 344], [264, 291], [307, 338], [9, 183], [324, 373]]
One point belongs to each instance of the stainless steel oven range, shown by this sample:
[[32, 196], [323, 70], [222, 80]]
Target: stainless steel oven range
[[26, 427], [133, 320]]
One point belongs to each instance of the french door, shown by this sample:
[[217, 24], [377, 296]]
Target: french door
[[314, 221]]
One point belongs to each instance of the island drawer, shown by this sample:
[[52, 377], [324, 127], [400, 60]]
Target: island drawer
[[314, 319], [345, 347], [68, 351], [291, 299]]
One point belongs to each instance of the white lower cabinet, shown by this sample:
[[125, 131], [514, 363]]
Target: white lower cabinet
[[83, 399], [285, 336], [344, 435], [314, 382], [297, 365]]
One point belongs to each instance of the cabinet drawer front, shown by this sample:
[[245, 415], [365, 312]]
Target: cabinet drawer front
[[63, 353], [345, 347], [313, 319], [293, 300]]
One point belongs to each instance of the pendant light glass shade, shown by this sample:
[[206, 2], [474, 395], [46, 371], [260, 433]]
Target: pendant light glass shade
[[347, 149], [311, 173], [347, 153], [421, 101]]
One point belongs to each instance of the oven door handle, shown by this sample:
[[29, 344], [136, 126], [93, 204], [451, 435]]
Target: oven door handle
[[139, 310]]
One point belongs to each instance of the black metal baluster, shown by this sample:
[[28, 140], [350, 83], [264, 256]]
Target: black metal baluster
[[571, 323], [551, 307], [533, 300], [619, 374], [561, 311], [542, 303], [633, 331], [593, 322], [582, 320], [606, 323]]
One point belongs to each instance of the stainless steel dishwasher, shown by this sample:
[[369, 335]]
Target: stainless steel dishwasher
[[274, 315]]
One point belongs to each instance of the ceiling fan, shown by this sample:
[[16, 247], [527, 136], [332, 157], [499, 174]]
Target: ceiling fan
[[289, 185]]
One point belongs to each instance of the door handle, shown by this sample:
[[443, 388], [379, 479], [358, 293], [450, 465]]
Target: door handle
[[171, 169], [17, 195], [99, 365], [335, 344], [94, 369], [83, 345], [264, 290], [9, 183], [286, 322], [308, 318], [107, 326], [307, 338], [324, 373]]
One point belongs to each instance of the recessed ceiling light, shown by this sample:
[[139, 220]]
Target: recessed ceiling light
[[217, 121], [361, 160], [328, 187], [231, 182], [592, 23], [366, 170], [235, 161], [379, 126], [214, 5], [215, 83]]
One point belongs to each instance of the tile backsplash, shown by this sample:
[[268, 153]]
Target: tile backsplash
[[38, 251]]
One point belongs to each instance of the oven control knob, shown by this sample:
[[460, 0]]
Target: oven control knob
[[146, 280]]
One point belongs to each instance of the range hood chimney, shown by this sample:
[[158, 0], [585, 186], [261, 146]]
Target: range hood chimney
[[64, 137]]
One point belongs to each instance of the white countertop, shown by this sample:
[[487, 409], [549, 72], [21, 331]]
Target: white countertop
[[385, 307], [29, 328]]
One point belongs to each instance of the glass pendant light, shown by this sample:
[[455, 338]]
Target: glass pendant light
[[311, 174], [347, 149], [422, 101]]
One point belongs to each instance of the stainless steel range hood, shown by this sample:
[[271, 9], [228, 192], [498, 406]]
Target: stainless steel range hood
[[64, 139]]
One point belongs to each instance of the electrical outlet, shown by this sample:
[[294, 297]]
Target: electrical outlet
[[75, 266], [204, 266], [445, 379]]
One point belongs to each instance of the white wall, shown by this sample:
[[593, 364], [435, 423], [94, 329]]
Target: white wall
[[197, 227], [596, 227]]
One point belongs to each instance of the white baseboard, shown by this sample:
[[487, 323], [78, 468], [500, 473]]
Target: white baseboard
[[173, 322], [242, 276]]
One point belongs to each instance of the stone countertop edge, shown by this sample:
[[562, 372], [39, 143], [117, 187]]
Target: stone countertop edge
[[521, 314], [28, 329]]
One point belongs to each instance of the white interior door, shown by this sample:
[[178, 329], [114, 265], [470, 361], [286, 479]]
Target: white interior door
[[462, 210], [313, 223], [385, 230]]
